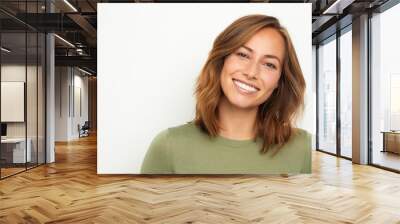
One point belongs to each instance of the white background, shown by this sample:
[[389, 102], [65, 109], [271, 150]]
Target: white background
[[149, 56]]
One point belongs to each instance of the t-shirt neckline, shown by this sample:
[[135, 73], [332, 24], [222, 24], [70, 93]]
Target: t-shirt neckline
[[227, 141], [233, 142]]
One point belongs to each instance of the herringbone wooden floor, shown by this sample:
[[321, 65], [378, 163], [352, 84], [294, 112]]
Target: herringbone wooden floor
[[70, 191]]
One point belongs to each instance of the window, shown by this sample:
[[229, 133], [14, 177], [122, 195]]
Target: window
[[22, 66], [327, 96], [346, 94], [385, 89]]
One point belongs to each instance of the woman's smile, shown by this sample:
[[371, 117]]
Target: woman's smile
[[244, 88]]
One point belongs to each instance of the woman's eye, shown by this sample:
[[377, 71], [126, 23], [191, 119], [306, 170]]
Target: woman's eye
[[243, 55], [270, 65]]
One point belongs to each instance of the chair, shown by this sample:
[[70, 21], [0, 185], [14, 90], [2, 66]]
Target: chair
[[84, 130]]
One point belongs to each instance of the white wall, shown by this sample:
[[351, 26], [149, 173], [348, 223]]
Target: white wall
[[149, 56], [61, 103], [67, 117]]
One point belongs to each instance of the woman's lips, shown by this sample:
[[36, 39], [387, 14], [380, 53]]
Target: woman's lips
[[244, 87]]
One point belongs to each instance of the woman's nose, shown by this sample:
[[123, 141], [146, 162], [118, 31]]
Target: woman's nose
[[251, 69]]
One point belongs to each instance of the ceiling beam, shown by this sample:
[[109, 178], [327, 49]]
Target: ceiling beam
[[86, 26], [84, 61]]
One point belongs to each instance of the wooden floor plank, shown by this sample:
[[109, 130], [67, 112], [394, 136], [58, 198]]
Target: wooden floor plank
[[70, 191]]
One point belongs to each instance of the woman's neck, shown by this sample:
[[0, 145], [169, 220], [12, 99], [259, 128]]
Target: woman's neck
[[236, 123]]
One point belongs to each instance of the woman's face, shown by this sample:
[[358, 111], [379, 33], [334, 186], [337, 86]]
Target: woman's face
[[251, 73]]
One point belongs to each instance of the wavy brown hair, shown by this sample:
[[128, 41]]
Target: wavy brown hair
[[275, 117]]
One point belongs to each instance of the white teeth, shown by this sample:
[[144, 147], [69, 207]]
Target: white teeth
[[245, 86]]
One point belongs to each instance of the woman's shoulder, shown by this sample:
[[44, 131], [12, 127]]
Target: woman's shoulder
[[301, 135], [184, 130], [299, 139], [177, 132], [302, 140]]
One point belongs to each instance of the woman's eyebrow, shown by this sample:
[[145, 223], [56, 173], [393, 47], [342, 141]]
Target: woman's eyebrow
[[267, 55]]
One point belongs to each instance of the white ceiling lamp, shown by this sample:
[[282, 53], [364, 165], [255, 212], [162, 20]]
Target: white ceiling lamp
[[70, 5], [5, 50], [65, 41], [337, 7], [86, 72]]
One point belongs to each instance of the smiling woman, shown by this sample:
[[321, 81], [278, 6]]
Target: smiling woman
[[249, 94]]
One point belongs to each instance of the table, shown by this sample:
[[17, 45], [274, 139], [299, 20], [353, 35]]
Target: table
[[17, 150], [391, 141]]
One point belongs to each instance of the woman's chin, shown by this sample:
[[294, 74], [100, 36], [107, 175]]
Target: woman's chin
[[243, 105], [240, 102]]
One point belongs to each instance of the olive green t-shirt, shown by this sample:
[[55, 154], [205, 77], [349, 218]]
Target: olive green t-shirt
[[186, 149]]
